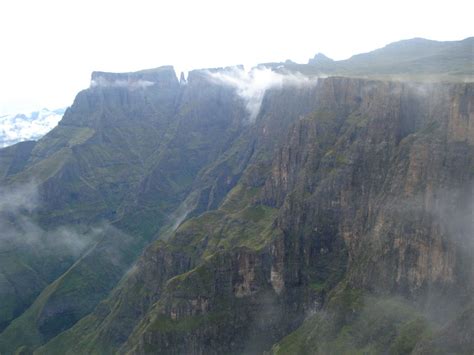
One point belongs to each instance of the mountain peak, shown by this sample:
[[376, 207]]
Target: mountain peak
[[320, 58]]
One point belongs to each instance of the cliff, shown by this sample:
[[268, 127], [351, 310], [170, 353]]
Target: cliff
[[368, 197]]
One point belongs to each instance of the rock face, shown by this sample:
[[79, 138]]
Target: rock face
[[385, 172], [122, 146], [371, 190]]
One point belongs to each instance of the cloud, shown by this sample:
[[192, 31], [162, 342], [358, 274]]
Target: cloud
[[20, 231], [121, 83], [18, 199], [20, 127], [252, 85], [454, 210]]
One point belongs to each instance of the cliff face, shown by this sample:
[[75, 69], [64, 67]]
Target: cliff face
[[374, 180], [398, 189], [126, 153], [390, 175], [369, 197]]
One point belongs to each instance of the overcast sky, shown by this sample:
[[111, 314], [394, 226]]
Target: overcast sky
[[49, 48]]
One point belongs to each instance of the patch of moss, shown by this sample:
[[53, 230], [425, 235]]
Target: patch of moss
[[318, 286], [358, 120]]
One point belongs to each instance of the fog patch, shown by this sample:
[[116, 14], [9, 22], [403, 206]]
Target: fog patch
[[252, 85], [121, 83], [455, 209], [19, 198], [451, 209], [19, 229], [436, 246]]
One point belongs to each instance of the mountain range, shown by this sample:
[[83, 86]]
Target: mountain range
[[320, 208]]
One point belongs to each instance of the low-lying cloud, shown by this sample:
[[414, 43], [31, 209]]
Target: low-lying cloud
[[33, 255], [252, 85], [20, 231], [18, 199], [121, 83]]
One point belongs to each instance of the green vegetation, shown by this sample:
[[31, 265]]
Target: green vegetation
[[164, 324], [354, 323], [238, 222], [318, 286], [78, 290], [409, 60]]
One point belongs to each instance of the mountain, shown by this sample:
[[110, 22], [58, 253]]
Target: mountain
[[246, 212], [415, 59], [320, 59], [21, 127]]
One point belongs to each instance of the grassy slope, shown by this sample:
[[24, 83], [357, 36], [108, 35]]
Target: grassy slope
[[238, 222], [416, 59], [73, 294]]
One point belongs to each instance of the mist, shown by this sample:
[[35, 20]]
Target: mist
[[252, 85], [19, 229], [120, 83], [31, 251]]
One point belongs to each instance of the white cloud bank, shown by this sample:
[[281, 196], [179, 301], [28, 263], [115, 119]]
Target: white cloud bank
[[252, 85], [20, 127], [121, 83]]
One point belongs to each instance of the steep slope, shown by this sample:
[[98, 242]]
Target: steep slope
[[128, 142], [413, 236], [73, 174], [243, 163], [372, 179]]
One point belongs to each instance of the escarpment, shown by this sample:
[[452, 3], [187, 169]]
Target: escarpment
[[346, 195]]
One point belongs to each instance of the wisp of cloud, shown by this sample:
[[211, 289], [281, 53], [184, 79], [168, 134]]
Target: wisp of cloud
[[20, 230], [130, 84], [252, 85]]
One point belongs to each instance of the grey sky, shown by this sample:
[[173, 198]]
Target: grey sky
[[50, 47]]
